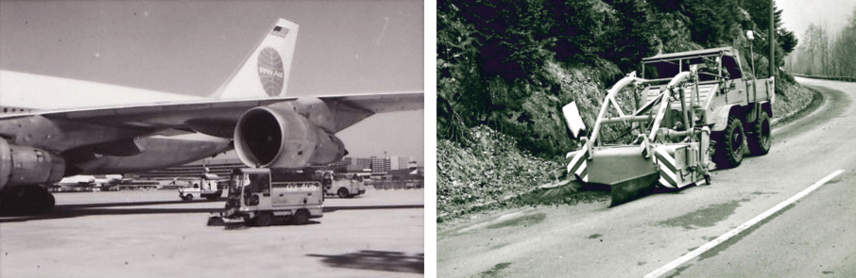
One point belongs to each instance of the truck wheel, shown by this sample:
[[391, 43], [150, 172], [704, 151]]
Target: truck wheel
[[343, 193], [263, 219], [188, 197], [300, 218], [729, 146], [760, 140]]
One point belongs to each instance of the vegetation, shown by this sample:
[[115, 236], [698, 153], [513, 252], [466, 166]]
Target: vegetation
[[823, 54], [505, 68]]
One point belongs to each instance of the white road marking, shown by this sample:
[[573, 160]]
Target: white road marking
[[689, 256]]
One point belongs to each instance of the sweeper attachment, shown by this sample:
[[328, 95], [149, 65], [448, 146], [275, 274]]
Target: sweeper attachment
[[703, 97], [672, 158]]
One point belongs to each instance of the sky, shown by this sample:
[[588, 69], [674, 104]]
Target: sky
[[797, 15], [192, 47]]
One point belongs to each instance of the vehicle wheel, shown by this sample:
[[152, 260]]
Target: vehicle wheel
[[26, 200], [729, 147], [263, 219], [300, 218], [343, 193], [760, 140], [188, 197]]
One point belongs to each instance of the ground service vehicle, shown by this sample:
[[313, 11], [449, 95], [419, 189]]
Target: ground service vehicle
[[205, 187], [698, 108], [341, 185], [256, 196]]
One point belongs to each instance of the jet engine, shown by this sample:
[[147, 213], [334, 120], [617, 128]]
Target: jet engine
[[24, 165], [278, 137]]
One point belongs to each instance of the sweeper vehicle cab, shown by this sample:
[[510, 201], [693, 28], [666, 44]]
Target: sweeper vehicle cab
[[259, 195]]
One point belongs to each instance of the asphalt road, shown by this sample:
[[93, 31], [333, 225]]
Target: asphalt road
[[155, 234], [813, 237]]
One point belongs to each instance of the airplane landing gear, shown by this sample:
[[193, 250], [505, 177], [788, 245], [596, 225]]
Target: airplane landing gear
[[25, 200]]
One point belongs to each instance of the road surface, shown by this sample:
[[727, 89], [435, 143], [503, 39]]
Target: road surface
[[155, 234], [814, 236]]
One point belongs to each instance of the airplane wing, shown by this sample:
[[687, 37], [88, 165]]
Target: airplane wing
[[350, 109], [218, 117], [213, 117]]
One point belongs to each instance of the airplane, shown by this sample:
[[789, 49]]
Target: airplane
[[46, 133], [77, 181]]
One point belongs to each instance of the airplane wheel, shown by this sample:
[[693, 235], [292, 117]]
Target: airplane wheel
[[26, 200]]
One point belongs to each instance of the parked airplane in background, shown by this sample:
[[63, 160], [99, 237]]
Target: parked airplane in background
[[77, 181], [57, 127], [102, 182]]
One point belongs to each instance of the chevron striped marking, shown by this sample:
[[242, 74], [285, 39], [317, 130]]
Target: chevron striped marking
[[668, 177], [578, 165]]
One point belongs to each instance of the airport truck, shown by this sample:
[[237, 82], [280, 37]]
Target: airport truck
[[693, 110], [204, 187], [342, 185], [259, 195]]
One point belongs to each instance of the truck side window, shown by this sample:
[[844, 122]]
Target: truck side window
[[259, 183]]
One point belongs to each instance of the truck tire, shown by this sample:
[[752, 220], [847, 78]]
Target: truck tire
[[343, 193], [300, 218], [263, 219], [760, 140], [729, 145], [188, 197]]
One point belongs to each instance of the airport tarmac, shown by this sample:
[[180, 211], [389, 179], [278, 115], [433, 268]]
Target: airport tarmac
[[155, 234]]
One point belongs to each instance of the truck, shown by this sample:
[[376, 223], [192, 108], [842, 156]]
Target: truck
[[260, 195], [693, 112], [205, 186], [342, 185]]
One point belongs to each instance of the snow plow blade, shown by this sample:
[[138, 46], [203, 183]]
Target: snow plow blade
[[633, 189]]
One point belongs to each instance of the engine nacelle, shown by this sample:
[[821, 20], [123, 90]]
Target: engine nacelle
[[24, 165], [281, 138]]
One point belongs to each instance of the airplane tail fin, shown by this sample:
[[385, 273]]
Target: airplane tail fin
[[265, 71]]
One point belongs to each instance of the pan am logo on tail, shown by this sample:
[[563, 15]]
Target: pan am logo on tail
[[271, 72], [279, 31]]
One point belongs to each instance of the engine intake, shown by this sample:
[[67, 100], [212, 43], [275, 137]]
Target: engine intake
[[25, 165], [281, 138]]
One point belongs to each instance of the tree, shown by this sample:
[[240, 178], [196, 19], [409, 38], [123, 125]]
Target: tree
[[512, 36], [576, 27], [630, 32]]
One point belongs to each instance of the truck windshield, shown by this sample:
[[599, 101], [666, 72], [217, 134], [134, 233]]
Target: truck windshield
[[249, 183]]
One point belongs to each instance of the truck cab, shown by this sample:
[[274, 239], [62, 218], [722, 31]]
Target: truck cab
[[723, 88], [258, 196], [203, 187], [342, 185]]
